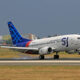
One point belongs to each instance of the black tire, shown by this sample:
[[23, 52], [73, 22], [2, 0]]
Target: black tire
[[56, 56], [41, 57]]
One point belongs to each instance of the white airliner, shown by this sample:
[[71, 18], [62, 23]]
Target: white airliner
[[44, 46]]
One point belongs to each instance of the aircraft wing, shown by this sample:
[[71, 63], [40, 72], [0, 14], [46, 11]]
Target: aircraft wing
[[20, 48]]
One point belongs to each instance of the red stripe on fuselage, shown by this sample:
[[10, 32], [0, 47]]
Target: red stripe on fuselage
[[28, 44]]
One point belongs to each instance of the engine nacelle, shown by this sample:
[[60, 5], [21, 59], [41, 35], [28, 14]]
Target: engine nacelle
[[45, 50]]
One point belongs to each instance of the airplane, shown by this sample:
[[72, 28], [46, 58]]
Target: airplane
[[44, 46]]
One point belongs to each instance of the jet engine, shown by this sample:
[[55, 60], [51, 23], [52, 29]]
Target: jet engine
[[45, 50]]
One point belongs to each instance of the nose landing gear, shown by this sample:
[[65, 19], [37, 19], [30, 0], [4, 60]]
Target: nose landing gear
[[56, 56]]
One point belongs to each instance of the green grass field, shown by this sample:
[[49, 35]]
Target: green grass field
[[39, 72]]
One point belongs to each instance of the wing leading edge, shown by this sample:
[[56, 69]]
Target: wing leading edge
[[20, 48]]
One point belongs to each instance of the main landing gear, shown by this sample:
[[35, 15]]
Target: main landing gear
[[41, 57], [56, 56]]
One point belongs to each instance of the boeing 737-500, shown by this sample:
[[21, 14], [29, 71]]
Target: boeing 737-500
[[43, 46]]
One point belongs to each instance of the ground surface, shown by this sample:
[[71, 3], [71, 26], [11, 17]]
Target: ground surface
[[6, 53], [39, 72]]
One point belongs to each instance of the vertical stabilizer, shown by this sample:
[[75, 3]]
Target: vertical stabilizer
[[15, 35]]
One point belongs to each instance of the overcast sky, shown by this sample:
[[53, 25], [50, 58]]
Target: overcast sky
[[41, 17]]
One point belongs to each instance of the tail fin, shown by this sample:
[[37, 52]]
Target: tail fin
[[16, 37]]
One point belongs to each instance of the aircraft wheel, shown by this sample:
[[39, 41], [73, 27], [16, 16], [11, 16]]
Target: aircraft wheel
[[79, 53], [56, 56], [41, 57]]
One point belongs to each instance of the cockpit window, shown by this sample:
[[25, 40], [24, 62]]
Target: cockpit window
[[78, 38]]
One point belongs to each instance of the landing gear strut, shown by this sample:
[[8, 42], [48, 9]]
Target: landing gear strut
[[41, 57], [56, 56]]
